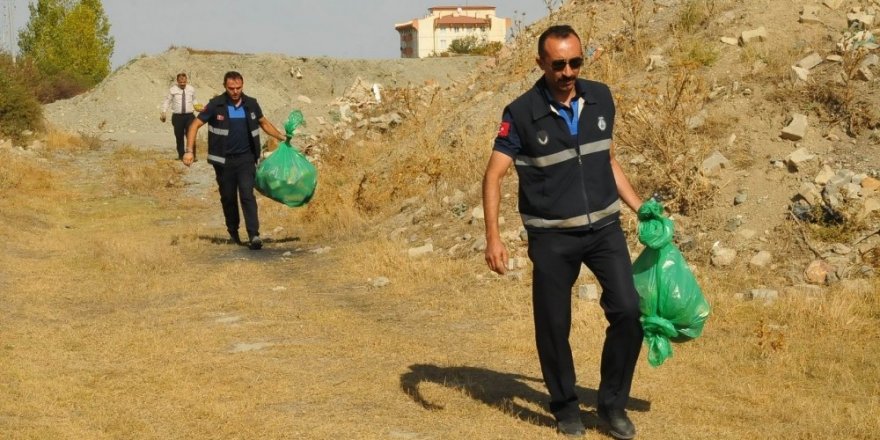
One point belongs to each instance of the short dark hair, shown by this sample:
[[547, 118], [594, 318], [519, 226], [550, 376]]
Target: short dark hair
[[181, 75], [560, 31], [232, 75]]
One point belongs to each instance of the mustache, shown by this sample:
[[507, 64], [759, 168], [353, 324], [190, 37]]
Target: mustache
[[567, 78]]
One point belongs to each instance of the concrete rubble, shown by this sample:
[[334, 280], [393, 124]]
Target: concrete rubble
[[796, 128]]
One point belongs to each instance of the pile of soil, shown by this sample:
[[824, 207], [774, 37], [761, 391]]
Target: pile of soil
[[125, 107]]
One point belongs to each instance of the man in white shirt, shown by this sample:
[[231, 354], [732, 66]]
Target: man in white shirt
[[182, 100]]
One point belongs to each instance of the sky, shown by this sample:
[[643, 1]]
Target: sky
[[333, 28]]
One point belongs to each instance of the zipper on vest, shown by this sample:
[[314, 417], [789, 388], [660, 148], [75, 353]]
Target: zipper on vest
[[583, 184]]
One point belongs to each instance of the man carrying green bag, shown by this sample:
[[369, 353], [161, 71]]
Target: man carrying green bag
[[673, 306], [287, 176]]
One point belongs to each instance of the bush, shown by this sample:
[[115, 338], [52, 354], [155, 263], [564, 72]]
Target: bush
[[50, 88], [473, 45], [653, 122], [19, 108]]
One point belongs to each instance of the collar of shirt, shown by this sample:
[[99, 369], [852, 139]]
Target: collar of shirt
[[571, 113], [579, 92], [232, 104]]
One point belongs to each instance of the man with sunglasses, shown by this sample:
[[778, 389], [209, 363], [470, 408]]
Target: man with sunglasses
[[558, 135]]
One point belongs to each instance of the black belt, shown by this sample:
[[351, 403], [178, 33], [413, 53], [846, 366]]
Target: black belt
[[239, 154]]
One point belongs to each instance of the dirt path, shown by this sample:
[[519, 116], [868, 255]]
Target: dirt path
[[130, 317], [125, 315]]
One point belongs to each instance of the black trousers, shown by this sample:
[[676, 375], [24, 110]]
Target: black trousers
[[235, 179], [557, 258], [180, 122]]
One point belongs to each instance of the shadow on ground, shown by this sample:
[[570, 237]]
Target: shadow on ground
[[501, 391], [217, 239], [272, 247]]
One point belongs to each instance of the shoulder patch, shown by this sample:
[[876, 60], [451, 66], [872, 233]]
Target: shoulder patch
[[504, 129]]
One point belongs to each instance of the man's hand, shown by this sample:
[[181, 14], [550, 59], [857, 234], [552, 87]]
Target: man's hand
[[496, 256], [188, 158], [162, 117]]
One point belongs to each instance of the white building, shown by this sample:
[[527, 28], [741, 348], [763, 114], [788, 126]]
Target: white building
[[423, 37]]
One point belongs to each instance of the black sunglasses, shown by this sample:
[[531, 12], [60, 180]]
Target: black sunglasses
[[574, 63]]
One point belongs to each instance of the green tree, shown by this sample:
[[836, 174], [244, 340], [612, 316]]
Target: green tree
[[45, 16], [86, 42], [68, 40], [464, 45], [19, 108]]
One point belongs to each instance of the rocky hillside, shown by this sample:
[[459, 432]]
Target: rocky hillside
[[125, 106], [757, 122]]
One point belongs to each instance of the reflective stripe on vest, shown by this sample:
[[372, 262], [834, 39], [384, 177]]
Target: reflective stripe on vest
[[218, 131], [215, 158], [581, 220], [564, 155], [255, 133]]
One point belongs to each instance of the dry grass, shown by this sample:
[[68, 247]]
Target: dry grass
[[768, 63], [695, 52], [20, 173], [57, 140], [124, 315], [840, 98], [160, 330], [654, 123], [139, 172]]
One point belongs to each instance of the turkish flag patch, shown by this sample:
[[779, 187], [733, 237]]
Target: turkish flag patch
[[504, 129]]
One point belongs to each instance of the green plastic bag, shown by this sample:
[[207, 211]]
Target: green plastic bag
[[287, 176], [673, 306]]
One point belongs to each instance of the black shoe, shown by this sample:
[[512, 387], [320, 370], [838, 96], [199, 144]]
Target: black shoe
[[233, 238], [255, 244], [620, 426], [571, 428]]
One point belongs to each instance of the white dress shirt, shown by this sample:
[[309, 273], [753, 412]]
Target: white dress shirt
[[175, 95]]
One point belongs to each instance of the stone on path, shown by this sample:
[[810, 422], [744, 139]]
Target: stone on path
[[810, 61], [799, 74], [818, 272], [870, 184], [761, 259], [810, 14], [796, 129], [421, 250], [714, 163], [768, 295], [824, 176], [759, 34], [478, 213], [242, 347], [379, 282], [588, 292], [722, 256], [810, 193], [798, 158]]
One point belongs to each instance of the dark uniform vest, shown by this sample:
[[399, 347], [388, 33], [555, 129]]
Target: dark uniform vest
[[565, 183], [218, 128]]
